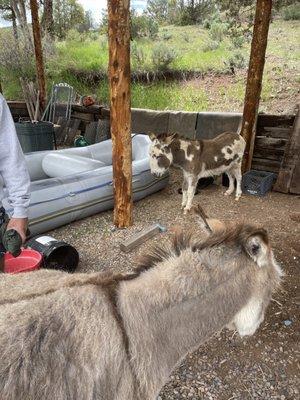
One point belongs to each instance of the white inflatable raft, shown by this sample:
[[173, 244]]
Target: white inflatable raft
[[75, 183]]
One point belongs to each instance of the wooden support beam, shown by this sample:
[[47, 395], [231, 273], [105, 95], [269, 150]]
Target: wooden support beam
[[255, 75], [40, 71], [120, 114]]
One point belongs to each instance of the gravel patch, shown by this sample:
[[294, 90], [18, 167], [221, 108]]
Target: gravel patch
[[265, 366]]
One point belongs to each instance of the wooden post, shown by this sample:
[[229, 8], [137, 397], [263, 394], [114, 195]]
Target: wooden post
[[120, 114], [38, 53], [255, 75]]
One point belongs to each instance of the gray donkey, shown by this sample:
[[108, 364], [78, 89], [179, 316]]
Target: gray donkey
[[111, 337]]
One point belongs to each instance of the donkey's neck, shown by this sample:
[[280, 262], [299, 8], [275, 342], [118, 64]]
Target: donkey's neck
[[166, 317]]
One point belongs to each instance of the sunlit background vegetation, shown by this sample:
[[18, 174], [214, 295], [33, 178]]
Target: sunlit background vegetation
[[195, 52]]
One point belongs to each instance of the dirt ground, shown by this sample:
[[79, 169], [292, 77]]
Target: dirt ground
[[265, 366]]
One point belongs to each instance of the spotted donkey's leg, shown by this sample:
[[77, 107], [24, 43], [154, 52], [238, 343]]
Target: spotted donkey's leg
[[231, 183], [192, 184], [184, 190], [237, 172]]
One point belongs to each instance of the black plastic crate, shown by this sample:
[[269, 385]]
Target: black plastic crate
[[257, 183]]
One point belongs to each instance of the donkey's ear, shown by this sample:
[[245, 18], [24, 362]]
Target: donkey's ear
[[170, 138], [152, 136], [257, 247]]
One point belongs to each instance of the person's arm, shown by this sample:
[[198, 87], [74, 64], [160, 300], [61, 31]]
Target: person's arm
[[13, 171]]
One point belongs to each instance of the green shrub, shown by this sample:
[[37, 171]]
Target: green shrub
[[211, 45], [212, 19], [137, 54], [291, 12], [166, 36], [217, 31], [163, 56], [153, 28], [143, 26], [74, 36], [16, 58], [237, 60], [186, 37], [206, 24], [238, 41], [94, 35], [103, 43]]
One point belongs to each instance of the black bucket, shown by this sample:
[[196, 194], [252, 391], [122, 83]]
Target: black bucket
[[56, 254]]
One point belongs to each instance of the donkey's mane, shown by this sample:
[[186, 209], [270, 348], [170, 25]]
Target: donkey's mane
[[233, 234]]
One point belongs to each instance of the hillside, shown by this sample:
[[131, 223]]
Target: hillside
[[82, 62]]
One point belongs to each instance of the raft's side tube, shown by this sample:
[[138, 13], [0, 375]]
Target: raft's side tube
[[58, 165], [80, 198]]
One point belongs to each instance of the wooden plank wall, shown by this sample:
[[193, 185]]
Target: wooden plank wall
[[272, 135], [288, 180]]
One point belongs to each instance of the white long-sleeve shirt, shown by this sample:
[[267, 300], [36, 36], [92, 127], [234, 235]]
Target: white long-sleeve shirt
[[13, 169]]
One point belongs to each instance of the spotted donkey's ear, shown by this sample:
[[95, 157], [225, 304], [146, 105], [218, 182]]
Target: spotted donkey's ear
[[175, 136], [152, 136], [257, 246], [170, 137]]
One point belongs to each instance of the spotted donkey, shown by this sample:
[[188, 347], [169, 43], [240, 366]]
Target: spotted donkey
[[198, 159]]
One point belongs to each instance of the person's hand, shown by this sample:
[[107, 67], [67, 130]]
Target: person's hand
[[20, 225]]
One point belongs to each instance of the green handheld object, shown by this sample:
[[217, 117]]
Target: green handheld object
[[12, 242], [10, 239]]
